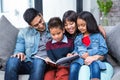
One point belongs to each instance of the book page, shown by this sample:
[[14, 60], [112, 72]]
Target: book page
[[44, 59], [61, 60]]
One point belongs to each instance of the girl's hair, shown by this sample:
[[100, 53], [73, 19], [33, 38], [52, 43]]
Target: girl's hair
[[70, 15], [91, 23], [55, 22]]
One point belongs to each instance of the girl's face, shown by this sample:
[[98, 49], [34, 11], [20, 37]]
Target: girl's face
[[81, 25], [57, 34], [70, 27]]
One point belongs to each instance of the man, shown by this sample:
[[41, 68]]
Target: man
[[30, 41]]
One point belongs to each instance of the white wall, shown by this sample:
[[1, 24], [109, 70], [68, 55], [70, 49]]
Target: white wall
[[57, 8], [14, 9], [91, 5]]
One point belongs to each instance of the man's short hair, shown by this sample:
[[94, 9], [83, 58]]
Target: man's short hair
[[30, 14]]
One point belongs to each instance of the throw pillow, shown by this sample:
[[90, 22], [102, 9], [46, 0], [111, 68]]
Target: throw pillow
[[8, 34], [113, 42]]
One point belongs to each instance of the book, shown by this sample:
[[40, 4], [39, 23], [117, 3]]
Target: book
[[61, 60]]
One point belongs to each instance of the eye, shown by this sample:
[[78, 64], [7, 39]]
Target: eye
[[58, 33], [71, 23]]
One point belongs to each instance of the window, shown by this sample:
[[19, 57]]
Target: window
[[14, 9]]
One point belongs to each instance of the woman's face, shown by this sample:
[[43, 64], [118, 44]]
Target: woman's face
[[70, 27]]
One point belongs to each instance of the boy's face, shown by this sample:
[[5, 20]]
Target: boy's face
[[57, 34]]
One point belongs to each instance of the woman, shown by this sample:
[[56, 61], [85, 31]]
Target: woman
[[69, 22]]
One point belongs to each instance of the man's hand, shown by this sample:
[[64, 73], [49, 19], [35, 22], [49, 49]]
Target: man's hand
[[20, 56]]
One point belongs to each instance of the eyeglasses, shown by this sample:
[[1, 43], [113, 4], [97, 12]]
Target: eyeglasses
[[40, 21]]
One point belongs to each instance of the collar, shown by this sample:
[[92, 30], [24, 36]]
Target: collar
[[65, 40]]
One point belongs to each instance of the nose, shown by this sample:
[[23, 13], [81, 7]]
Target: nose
[[41, 23], [56, 36], [80, 27], [69, 26]]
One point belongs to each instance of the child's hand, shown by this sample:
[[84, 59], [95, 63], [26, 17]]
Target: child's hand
[[89, 60], [47, 59], [85, 55], [69, 54]]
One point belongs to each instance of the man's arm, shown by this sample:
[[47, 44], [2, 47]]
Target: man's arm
[[20, 47]]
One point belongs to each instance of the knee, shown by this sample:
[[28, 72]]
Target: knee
[[95, 65], [95, 70], [12, 63], [85, 68], [39, 63], [74, 67]]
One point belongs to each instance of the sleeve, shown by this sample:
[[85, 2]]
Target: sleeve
[[49, 52], [79, 48], [102, 49], [20, 43], [102, 46]]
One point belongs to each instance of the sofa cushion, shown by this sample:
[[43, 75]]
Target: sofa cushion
[[113, 42], [8, 34]]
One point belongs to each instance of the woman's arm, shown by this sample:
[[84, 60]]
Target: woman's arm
[[102, 31]]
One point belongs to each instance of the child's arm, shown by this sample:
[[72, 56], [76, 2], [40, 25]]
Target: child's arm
[[79, 48], [102, 46], [90, 59], [101, 49], [49, 52]]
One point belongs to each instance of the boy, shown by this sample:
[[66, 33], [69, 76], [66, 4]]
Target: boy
[[57, 48]]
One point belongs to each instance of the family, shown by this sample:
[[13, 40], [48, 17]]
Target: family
[[75, 34]]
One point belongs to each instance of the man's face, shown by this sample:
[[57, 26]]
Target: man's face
[[38, 23]]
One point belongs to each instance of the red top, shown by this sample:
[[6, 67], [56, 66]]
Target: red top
[[86, 40]]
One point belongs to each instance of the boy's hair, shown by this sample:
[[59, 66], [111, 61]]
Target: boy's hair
[[91, 23], [55, 22], [30, 14]]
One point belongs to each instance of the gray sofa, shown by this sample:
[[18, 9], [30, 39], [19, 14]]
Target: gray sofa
[[8, 34]]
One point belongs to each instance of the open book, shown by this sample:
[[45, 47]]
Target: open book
[[61, 60]]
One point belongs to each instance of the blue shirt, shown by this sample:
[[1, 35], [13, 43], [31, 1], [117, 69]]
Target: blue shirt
[[28, 40], [97, 47]]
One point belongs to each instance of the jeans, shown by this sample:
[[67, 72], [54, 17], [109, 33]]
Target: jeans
[[35, 69], [105, 74], [75, 67], [74, 71], [94, 70]]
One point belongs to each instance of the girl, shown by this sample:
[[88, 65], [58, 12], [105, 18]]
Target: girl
[[88, 43], [69, 22]]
